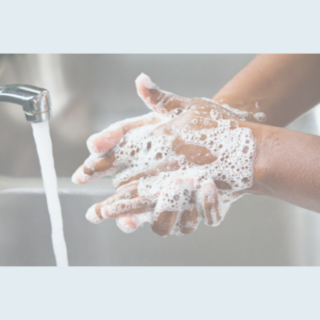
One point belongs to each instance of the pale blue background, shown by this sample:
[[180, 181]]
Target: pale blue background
[[159, 293], [167, 26]]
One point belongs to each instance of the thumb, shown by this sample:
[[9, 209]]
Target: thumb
[[158, 100]]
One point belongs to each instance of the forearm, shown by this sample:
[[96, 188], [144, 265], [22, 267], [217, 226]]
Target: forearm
[[281, 86], [287, 166]]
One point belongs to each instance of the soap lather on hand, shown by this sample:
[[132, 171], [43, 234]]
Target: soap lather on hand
[[184, 162]]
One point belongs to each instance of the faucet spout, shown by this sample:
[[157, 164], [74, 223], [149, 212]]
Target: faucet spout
[[36, 102]]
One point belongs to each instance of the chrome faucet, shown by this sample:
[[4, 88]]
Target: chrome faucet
[[35, 101]]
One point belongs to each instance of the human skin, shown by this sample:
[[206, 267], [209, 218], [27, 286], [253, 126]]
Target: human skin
[[168, 104], [285, 160], [283, 86]]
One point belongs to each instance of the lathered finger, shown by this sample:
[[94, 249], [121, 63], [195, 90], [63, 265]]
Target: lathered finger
[[125, 201], [189, 221], [137, 205], [100, 143], [160, 101], [126, 222], [129, 223], [94, 214], [167, 208], [165, 223], [94, 168], [127, 157], [170, 165], [128, 191], [188, 218], [208, 199]]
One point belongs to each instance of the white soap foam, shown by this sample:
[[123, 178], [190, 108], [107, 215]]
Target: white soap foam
[[260, 116], [233, 146]]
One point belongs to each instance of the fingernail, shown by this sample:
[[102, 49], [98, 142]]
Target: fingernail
[[100, 143], [80, 177], [105, 212], [92, 216], [75, 177], [123, 223]]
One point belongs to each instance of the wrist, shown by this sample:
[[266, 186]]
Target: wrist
[[262, 163], [255, 107]]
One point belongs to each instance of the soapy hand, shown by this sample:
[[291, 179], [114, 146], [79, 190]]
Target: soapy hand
[[186, 161]]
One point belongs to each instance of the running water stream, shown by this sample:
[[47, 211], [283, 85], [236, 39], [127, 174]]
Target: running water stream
[[42, 138]]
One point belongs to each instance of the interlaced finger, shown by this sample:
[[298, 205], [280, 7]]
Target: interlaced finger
[[100, 143]]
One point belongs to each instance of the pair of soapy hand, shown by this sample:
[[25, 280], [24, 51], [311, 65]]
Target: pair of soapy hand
[[186, 161]]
